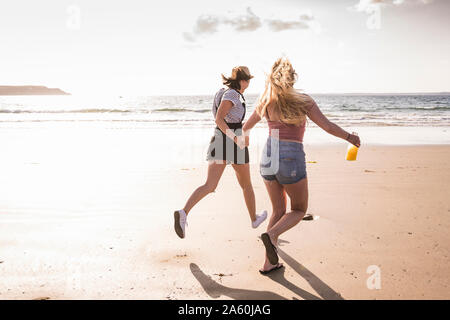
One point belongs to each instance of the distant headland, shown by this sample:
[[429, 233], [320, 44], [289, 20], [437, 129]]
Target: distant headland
[[30, 90]]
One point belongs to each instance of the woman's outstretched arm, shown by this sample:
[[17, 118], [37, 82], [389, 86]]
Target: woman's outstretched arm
[[319, 118]]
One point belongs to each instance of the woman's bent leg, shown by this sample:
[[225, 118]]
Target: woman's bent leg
[[215, 171], [277, 196], [298, 193]]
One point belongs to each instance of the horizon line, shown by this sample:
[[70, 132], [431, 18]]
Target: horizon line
[[310, 93], [81, 92]]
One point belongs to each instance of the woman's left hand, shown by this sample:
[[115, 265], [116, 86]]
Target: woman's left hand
[[354, 139]]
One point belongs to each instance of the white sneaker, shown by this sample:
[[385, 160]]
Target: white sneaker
[[180, 222], [259, 219]]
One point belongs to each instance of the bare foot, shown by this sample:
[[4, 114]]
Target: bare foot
[[267, 267]]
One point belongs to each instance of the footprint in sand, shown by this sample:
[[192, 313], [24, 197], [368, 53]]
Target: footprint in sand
[[223, 274]]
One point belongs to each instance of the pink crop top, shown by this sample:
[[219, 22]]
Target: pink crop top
[[287, 131]]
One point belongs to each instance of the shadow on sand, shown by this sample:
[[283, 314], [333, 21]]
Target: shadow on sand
[[215, 290], [325, 291]]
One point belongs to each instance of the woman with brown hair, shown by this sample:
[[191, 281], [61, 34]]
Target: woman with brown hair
[[283, 166], [227, 146]]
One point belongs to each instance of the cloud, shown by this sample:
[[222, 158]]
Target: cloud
[[307, 17], [248, 22], [368, 5], [206, 24], [188, 37], [373, 8], [279, 25]]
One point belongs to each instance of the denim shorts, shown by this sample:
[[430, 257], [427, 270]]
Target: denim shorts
[[283, 161]]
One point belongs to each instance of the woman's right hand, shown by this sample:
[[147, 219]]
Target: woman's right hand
[[242, 141], [354, 139]]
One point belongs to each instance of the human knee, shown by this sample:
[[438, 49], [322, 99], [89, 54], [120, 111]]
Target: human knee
[[300, 208], [210, 187], [278, 212], [247, 187]]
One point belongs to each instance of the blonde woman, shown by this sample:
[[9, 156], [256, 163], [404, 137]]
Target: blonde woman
[[283, 165], [227, 146]]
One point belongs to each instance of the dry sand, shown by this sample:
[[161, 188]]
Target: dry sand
[[107, 233]]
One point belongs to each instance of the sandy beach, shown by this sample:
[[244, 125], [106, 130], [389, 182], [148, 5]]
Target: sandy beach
[[85, 228], [107, 110]]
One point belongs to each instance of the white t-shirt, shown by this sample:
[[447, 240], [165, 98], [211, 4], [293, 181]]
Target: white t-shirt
[[237, 110]]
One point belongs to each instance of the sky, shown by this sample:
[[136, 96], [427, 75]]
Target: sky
[[138, 47]]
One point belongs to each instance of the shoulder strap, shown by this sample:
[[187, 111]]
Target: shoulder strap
[[219, 100], [243, 104], [240, 94]]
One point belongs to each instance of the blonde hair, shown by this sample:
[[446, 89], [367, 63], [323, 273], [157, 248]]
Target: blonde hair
[[290, 105]]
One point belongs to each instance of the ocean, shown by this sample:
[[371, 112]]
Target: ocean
[[419, 110], [176, 130]]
